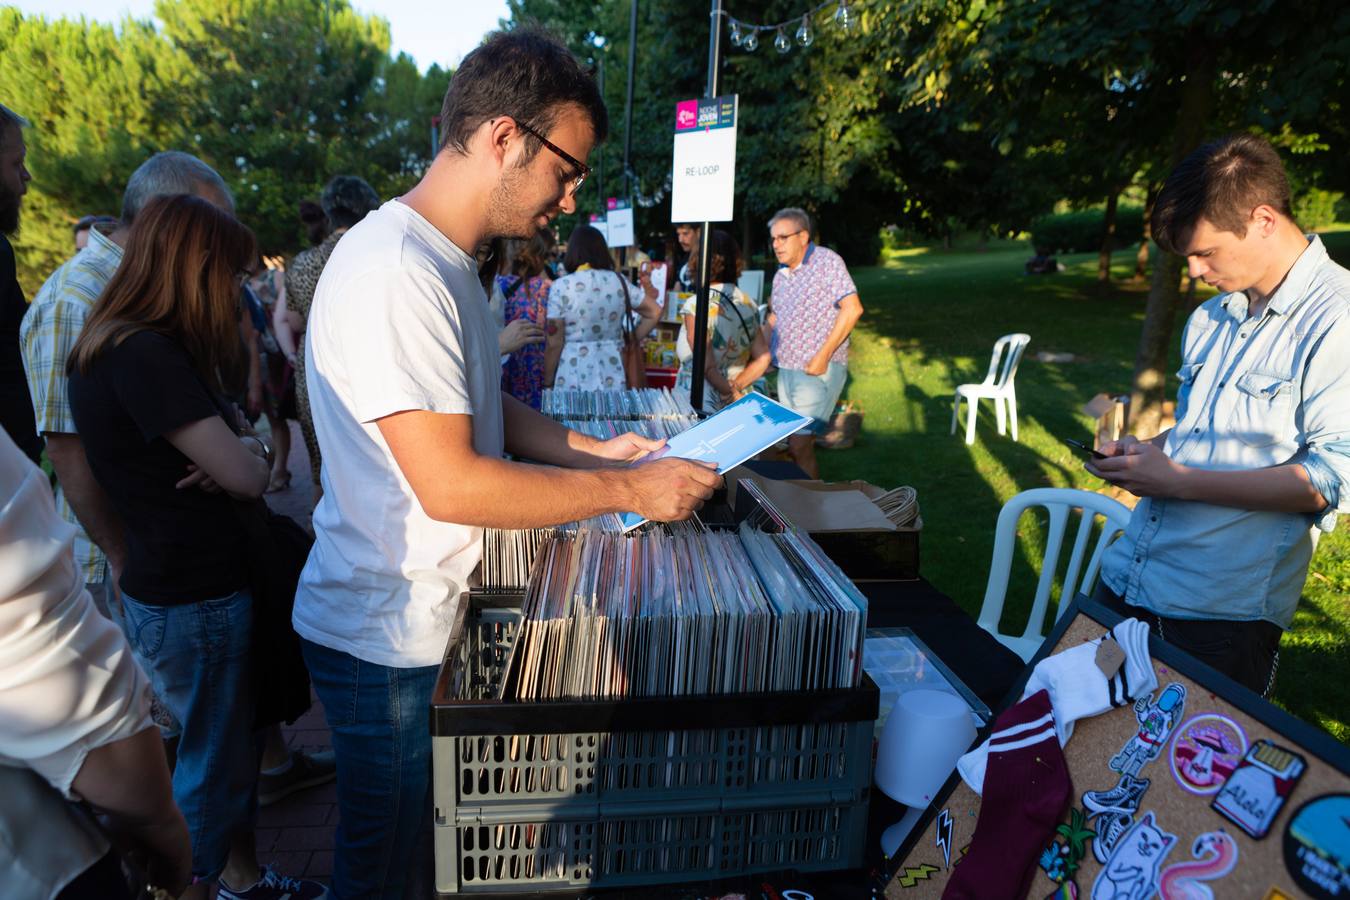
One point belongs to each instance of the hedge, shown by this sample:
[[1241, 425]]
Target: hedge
[[1082, 231]]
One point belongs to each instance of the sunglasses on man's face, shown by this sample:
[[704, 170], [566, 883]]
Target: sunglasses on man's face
[[581, 170]]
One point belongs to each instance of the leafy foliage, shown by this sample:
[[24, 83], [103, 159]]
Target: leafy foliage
[[276, 95], [1083, 231]]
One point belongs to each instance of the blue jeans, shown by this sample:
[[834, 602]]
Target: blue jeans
[[382, 739], [812, 395], [197, 657]]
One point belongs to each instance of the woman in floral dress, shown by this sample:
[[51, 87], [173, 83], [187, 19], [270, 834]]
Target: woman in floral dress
[[738, 348], [526, 291], [586, 311]]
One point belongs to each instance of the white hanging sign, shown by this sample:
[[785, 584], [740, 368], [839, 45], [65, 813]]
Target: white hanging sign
[[704, 184], [620, 221]]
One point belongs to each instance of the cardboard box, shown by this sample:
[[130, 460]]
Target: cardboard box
[[841, 518]]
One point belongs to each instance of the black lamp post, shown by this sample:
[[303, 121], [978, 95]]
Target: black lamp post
[[700, 339]]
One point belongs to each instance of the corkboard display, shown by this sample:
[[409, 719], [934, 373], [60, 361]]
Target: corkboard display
[[1285, 787]]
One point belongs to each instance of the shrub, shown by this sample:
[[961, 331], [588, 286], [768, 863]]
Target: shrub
[[1081, 231], [1316, 208]]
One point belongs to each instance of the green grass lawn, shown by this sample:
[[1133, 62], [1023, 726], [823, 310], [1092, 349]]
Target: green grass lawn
[[932, 318]]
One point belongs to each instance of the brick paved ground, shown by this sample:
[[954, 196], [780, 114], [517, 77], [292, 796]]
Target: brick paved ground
[[296, 834]]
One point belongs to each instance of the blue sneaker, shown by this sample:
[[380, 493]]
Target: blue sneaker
[[275, 886]]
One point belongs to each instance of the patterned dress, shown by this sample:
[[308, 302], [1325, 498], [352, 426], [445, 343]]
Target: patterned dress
[[523, 374], [278, 374], [592, 303], [730, 335], [302, 276]]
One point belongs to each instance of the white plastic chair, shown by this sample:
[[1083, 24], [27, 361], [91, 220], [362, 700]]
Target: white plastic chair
[[1059, 502], [998, 386]]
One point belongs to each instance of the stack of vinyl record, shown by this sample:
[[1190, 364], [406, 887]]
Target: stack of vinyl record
[[677, 611], [604, 429], [632, 403]]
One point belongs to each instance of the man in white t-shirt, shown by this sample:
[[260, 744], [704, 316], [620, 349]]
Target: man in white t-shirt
[[404, 384]]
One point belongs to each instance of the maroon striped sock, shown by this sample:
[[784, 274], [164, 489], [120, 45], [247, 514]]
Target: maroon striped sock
[[1026, 789]]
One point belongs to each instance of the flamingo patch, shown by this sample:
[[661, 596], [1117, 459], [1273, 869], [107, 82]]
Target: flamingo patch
[[1215, 852]]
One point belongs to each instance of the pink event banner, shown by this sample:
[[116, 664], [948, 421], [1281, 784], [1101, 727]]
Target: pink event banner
[[692, 115]]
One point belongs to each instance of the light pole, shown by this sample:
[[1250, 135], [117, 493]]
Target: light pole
[[700, 346], [628, 101]]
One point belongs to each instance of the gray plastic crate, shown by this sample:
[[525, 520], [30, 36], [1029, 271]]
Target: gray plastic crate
[[572, 795]]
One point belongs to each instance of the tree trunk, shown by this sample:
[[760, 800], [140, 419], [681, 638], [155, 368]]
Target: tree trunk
[[1164, 295], [1108, 237], [745, 232], [1141, 258]]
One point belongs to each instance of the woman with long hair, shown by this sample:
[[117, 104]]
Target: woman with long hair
[[147, 384], [525, 289], [738, 349], [587, 309]]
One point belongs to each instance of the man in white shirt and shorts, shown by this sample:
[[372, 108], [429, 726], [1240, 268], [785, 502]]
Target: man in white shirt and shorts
[[405, 387]]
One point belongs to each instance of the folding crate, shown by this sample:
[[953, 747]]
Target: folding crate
[[569, 796]]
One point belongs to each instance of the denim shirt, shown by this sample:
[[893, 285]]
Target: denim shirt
[[1255, 393]]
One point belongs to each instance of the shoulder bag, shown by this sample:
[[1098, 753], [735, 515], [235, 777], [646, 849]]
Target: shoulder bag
[[634, 360]]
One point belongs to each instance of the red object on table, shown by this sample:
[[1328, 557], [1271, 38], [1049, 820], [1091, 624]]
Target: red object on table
[[661, 378]]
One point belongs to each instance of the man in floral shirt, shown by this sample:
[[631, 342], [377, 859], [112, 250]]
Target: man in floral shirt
[[813, 308]]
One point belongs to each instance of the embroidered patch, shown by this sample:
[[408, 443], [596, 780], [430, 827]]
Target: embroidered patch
[[1215, 852], [1156, 720], [1254, 795], [1111, 813], [1131, 873], [1206, 751], [909, 876], [943, 826], [1060, 860], [1317, 846]]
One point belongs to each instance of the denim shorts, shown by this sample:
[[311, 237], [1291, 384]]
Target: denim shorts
[[197, 657], [812, 395]]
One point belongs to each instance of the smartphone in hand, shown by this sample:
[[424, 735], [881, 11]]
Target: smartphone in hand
[[1085, 449]]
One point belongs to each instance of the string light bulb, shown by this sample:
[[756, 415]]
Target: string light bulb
[[735, 33], [805, 36], [844, 17], [781, 42], [750, 43]]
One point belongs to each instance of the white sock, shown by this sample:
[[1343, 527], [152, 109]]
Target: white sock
[[1078, 689]]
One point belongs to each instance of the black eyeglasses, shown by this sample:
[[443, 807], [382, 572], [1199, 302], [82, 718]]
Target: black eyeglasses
[[779, 238], [583, 171]]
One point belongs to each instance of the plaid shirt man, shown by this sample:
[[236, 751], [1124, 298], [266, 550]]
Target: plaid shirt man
[[48, 335]]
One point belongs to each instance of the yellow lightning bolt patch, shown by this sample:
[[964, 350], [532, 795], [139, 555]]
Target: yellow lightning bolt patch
[[912, 875]]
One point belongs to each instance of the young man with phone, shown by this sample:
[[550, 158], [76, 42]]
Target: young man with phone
[[1258, 463]]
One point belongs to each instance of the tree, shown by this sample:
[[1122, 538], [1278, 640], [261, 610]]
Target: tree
[[1192, 68], [276, 95], [97, 100], [284, 94]]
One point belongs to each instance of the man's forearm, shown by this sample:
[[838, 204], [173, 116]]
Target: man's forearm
[[495, 493], [86, 497], [1278, 489], [844, 320], [532, 435]]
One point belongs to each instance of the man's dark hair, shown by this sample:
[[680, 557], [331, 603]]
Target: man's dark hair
[[726, 266], [587, 246], [346, 200], [526, 74], [315, 222], [11, 124], [1221, 182]]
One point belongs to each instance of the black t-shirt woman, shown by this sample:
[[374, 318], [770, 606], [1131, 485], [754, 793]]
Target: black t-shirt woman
[[145, 390]]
